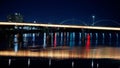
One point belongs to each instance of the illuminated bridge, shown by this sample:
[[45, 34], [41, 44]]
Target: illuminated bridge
[[56, 45], [55, 34]]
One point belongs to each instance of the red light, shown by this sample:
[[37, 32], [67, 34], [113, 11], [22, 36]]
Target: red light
[[88, 41]]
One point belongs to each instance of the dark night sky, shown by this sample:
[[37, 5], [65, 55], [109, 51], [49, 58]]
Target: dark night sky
[[55, 11]]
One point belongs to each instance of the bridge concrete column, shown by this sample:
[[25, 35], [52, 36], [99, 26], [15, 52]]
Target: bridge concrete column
[[110, 35], [103, 41], [64, 38], [68, 37], [83, 38], [96, 35], [117, 37], [61, 39], [52, 39], [55, 39], [72, 39], [91, 38]]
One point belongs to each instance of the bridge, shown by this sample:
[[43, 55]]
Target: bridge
[[59, 26], [57, 34], [51, 36]]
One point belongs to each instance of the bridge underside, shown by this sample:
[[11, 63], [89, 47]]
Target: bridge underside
[[55, 35], [31, 29]]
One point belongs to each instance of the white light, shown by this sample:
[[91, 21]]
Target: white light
[[72, 64], [93, 16], [92, 64], [15, 27], [97, 65], [29, 62], [62, 26], [49, 62], [34, 21], [16, 47], [9, 62]]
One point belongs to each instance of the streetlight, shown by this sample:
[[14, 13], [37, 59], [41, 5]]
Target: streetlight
[[93, 17]]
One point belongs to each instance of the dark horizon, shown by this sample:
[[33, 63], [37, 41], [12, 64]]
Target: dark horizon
[[52, 11]]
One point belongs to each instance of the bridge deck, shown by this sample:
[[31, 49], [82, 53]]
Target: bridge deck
[[60, 26]]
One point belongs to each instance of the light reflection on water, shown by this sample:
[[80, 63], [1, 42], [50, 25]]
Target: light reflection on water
[[67, 52], [71, 39]]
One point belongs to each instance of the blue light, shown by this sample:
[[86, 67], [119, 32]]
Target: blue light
[[91, 38], [72, 39], [103, 41], [44, 42], [33, 39], [61, 40], [110, 38], [16, 47], [96, 35], [67, 38], [80, 38]]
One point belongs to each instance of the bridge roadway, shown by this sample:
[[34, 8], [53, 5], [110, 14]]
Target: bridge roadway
[[59, 26]]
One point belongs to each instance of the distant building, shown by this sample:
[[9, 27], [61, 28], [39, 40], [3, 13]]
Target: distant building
[[17, 35], [16, 17]]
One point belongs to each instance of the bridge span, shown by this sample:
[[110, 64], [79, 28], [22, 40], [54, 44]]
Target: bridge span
[[59, 26], [52, 35]]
